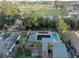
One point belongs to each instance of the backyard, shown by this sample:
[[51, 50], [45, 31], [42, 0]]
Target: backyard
[[24, 20]]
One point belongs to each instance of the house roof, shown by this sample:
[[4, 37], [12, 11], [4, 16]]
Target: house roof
[[74, 13]]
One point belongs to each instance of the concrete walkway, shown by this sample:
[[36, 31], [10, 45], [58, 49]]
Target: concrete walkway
[[59, 50], [74, 38]]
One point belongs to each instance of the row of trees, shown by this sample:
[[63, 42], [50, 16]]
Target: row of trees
[[36, 22]]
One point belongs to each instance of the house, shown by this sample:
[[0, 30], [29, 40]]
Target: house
[[73, 13], [45, 43]]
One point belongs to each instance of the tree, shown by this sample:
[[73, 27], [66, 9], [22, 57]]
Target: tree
[[53, 25], [62, 26], [64, 37], [7, 13], [45, 22], [8, 9], [62, 6], [33, 21], [72, 21], [21, 50]]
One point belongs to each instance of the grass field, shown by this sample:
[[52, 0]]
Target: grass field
[[47, 10]]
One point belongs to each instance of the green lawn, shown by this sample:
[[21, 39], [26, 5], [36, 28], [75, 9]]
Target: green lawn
[[41, 10]]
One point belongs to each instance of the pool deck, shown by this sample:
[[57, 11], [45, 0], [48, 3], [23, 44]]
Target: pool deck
[[59, 50]]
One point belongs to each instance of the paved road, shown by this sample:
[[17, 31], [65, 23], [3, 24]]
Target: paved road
[[74, 38]]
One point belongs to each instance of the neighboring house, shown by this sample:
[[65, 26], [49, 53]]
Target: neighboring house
[[7, 43], [73, 13]]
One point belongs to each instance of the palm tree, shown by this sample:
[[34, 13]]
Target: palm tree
[[62, 26]]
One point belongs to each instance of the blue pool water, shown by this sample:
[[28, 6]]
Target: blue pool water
[[54, 37]]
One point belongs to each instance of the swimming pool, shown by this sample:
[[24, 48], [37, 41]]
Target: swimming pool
[[55, 37]]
